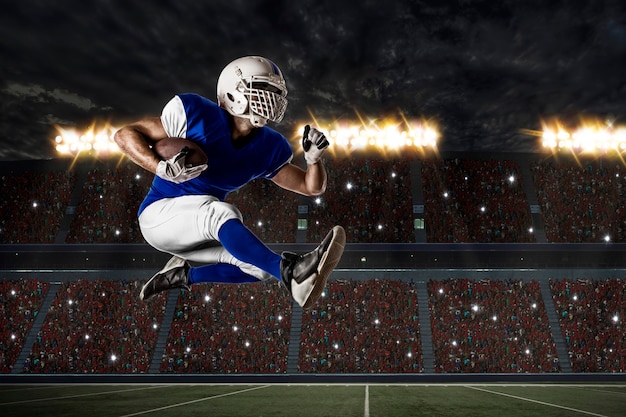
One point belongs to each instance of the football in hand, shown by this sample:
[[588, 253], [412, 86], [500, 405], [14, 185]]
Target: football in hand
[[168, 147]]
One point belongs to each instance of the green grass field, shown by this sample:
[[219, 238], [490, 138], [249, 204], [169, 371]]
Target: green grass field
[[373, 400]]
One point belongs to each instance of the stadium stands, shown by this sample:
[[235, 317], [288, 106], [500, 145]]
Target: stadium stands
[[475, 201], [582, 202], [371, 198], [20, 301], [490, 326], [591, 313], [362, 327], [97, 327], [33, 205], [107, 212], [220, 328], [365, 325], [268, 210]]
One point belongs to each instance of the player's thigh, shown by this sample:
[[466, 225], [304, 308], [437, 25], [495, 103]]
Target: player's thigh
[[177, 224]]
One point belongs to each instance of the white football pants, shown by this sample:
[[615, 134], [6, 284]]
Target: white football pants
[[188, 227]]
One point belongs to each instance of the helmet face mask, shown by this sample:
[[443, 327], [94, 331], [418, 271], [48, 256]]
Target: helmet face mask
[[254, 88]]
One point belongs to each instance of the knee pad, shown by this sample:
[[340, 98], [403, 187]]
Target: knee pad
[[219, 213]]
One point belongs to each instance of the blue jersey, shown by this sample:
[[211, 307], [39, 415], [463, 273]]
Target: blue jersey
[[230, 165]]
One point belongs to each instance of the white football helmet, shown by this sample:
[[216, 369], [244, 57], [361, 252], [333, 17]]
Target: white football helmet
[[253, 87]]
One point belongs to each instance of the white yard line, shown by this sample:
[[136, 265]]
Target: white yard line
[[536, 401], [366, 406], [195, 401]]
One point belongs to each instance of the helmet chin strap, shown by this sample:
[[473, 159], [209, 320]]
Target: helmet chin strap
[[256, 120]]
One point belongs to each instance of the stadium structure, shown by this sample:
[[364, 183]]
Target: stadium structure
[[458, 267]]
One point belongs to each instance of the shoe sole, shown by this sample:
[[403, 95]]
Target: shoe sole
[[174, 262], [327, 264]]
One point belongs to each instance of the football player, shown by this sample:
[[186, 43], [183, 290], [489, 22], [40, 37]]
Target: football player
[[184, 213]]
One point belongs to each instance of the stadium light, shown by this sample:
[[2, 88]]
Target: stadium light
[[93, 141], [592, 136], [384, 135]]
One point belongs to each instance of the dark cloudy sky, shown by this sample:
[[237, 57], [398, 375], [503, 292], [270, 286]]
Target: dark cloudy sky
[[482, 69]]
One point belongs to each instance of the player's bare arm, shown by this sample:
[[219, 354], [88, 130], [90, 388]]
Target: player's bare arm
[[135, 140], [311, 182]]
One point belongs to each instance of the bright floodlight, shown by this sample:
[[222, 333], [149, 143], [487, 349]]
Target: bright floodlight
[[387, 134], [94, 142], [592, 136]]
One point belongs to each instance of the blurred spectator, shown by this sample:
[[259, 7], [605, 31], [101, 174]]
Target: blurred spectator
[[490, 326], [475, 201], [221, 328], [591, 313], [362, 327], [268, 210], [107, 212], [97, 327], [582, 202], [20, 301], [370, 198], [33, 205]]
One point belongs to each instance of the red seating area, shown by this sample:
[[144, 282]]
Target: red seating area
[[464, 201], [362, 327], [370, 198], [591, 313], [97, 327], [582, 202], [475, 201], [490, 326], [268, 210], [220, 328], [107, 212], [33, 205], [20, 301]]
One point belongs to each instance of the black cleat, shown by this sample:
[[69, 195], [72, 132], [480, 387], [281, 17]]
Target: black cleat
[[173, 275], [305, 275]]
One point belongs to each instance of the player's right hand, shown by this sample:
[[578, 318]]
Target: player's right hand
[[175, 169]]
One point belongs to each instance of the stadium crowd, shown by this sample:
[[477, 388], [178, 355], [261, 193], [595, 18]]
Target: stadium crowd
[[493, 325], [591, 313], [582, 202], [475, 201], [371, 198], [490, 326], [97, 327], [33, 205], [20, 301], [464, 200], [107, 212], [362, 327], [268, 210], [220, 328]]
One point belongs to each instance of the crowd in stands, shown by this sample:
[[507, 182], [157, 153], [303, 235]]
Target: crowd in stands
[[33, 204], [583, 202], [268, 210], [20, 301], [362, 327], [370, 198], [97, 326], [107, 212], [222, 328], [359, 326], [464, 200], [475, 201], [591, 314], [490, 326]]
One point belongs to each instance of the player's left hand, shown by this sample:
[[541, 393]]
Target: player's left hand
[[314, 144]]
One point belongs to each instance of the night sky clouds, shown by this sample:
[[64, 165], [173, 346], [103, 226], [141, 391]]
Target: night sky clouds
[[482, 69]]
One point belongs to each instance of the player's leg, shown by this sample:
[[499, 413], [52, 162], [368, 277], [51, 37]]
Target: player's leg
[[189, 228]]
